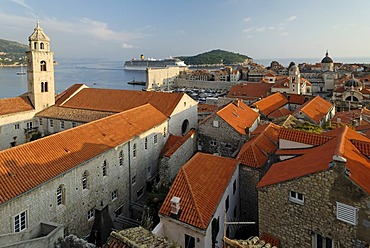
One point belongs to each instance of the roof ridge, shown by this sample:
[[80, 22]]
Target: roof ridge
[[192, 196], [339, 149]]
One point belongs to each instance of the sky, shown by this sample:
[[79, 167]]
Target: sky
[[261, 29]]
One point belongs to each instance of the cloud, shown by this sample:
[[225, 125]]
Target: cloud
[[261, 29], [22, 3], [247, 30], [127, 46], [292, 18], [247, 19]]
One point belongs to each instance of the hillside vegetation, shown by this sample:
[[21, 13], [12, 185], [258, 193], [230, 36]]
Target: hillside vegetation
[[216, 57], [12, 53]]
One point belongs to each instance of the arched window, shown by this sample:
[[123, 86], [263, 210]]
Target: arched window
[[42, 87], [35, 45], [46, 87], [105, 168], [184, 126], [60, 195], [84, 180], [43, 65], [120, 158], [41, 45]]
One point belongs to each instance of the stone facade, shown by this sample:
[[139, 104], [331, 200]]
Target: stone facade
[[157, 78], [298, 224]]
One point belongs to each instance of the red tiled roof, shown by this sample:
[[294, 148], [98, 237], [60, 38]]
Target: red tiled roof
[[249, 91], [206, 108], [255, 152], [296, 99], [271, 103], [303, 137], [340, 144], [315, 109], [280, 113], [62, 97], [200, 184], [15, 105], [111, 100], [175, 143], [238, 115], [26, 166]]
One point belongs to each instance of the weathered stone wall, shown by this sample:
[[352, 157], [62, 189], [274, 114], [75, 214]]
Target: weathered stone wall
[[223, 139], [294, 224], [161, 77]]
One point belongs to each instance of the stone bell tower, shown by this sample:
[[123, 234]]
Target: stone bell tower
[[40, 70], [294, 80]]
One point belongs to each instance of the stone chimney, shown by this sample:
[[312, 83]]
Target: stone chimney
[[175, 205]]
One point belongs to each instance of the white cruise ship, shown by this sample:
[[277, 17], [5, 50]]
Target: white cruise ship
[[142, 63]]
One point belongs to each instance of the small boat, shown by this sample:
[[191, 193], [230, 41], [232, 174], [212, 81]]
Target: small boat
[[22, 72], [133, 82]]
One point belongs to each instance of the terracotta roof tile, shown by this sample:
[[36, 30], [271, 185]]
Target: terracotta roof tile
[[249, 91], [173, 148], [26, 166], [200, 184], [341, 144], [315, 109], [65, 95], [271, 103], [296, 99], [111, 100], [238, 115], [15, 105], [280, 113], [255, 152], [303, 137], [79, 115], [207, 108]]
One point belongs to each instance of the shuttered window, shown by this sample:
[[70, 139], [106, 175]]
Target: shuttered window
[[347, 213]]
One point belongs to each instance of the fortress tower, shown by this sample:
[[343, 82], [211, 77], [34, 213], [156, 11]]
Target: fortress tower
[[40, 70]]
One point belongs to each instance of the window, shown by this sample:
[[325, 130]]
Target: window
[[155, 139], [322, 242], [62, 124], [74, 124], [133, 179], [51, 123], [227, 203], [42, 86], [84, 180], [189, 241], [60, 195], [105, 168], [40, 121], [46, 87], [215, 123], [184, 126], [43, 65], [164, 131], [146, 143], [134, 150], [296, 197], [41, 45], [20, 221], [35, 45], [140, 192], [120, 158], [90, 214], [16, 126], [347, 213], [29, 125], [213, 143], [114, 195], [234, 187]]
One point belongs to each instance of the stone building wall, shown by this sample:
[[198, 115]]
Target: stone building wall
[[295, 224], [223, 139], [161, 77]]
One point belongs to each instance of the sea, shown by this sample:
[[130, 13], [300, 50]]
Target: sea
[[109, 74], [97, 73]]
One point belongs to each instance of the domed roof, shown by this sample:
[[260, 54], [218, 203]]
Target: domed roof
[[353, 82], [327, 59], [38, 34]]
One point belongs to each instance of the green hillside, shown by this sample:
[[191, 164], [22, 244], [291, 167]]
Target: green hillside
[[215, 57], [12, 53]]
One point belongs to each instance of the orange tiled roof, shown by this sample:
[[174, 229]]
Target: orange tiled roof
[[26, 166], [249, 91], [15, 105], [111, 100], [255, 152], [62, 97], [200, 188], [315, 109], [238, 115], [303, 137], [344, 142], [296, 98], [280, 113], [172, 145], [79, 115], [271, 103], [205, 108]]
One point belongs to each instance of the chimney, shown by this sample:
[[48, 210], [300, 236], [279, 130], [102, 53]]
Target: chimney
[[175, 205]]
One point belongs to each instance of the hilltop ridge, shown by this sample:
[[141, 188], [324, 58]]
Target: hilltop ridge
[[12, 53]]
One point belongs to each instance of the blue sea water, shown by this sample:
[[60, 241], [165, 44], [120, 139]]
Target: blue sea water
[[94, 73]]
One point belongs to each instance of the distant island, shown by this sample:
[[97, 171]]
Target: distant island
[[12, 53], [216, 57]]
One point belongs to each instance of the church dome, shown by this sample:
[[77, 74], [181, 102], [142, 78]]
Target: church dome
[[326, 59], [353, 83]]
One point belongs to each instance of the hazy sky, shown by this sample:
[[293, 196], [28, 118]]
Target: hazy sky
[[120, 29]]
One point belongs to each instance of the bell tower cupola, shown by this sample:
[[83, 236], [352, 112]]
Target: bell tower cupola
[[40, 70]]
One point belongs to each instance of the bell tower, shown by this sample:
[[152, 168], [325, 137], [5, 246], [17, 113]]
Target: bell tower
[[294, 80], [40, 70]]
